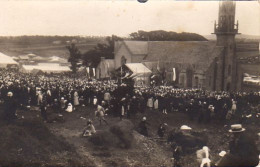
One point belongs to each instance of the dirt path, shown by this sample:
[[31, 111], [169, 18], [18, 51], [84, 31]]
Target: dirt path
[[144, 151], [74, 137]]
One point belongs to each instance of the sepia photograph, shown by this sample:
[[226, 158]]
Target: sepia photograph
[[129, 83]]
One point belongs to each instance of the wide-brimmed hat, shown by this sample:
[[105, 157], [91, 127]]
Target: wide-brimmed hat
[[222, 153], [236, 128], [10, 94], [185, 127]]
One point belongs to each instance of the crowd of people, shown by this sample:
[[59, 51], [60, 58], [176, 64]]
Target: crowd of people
[[64, 94]]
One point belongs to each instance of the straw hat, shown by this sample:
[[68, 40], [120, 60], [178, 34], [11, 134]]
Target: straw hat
[[10, 94], [236, 128], [222, 153], [185, 127]]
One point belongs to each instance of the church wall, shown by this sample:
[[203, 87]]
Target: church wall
[[123, 51], [228, 62], [208, 82], [101, 71], [137, 58], [198, 80], [182, 80], [213, 75]]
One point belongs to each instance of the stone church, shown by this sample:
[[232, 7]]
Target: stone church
[[222, 73], [210, 65]]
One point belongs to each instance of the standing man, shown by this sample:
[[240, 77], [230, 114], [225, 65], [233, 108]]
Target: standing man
[[243, 150], [100, 114], [161, 130], [143, 127], [10, 107]]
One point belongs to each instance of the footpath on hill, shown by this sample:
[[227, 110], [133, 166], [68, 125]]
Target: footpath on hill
[[117, 144]]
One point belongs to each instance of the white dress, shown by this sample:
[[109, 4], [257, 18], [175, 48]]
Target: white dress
[[69, 108], [156, 104], [76, 99], [95, 101], [39, 98], [150, 103]]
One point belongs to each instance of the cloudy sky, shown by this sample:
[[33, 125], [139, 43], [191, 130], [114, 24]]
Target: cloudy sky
[[84, 17]]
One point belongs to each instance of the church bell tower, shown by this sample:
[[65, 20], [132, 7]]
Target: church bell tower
[[226, 30]]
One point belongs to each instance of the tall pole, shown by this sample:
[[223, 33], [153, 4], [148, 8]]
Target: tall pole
[[144, 76], [121, 70]]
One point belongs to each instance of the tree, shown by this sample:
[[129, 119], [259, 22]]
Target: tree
[[106, 50], [74, 58], [91, 58], [160, 35]]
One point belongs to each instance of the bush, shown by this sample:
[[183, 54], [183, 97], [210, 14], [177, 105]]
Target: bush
[[119, 135], [125, 137], [104, 138], [189, 142]]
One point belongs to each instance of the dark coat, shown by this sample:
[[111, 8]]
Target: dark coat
[[10, 107], [243, 152]]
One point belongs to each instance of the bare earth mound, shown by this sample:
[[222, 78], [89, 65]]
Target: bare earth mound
[[27, 143]]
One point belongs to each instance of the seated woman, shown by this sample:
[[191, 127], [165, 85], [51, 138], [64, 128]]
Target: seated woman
[[90, 129], [69, 108]]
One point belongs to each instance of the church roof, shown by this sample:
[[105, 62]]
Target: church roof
[[108, 63], [6, 60], [200, 53], [134, 47], [138, 68]]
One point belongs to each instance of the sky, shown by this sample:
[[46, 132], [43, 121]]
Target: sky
[[118, 17]]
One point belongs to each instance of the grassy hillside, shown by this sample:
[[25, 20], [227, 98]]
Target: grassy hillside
[[45, 46]]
